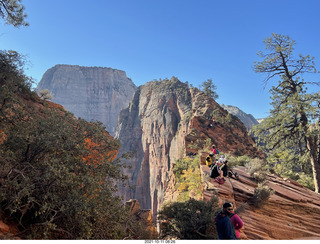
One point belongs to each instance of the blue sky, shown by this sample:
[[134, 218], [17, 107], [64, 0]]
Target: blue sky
[[194, 40]]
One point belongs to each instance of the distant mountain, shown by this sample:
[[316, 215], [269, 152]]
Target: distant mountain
[[92, 93], [247, 119]]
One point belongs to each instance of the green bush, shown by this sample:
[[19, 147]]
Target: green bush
[[188, 178], [287, 163], [51, 181], [257, 169], [306, 180], [58, 177], [189, 220], [261, 195], [238, 161]]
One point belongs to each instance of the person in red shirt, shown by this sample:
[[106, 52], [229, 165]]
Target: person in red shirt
[[214, 150], [236, 221]]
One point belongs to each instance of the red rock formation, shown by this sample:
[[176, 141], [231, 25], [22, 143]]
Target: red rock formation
[[165, 121], [7, 230], [292, 212]]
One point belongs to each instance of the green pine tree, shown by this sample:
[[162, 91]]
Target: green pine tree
[[12, 11], [293, 125], [210, 89]]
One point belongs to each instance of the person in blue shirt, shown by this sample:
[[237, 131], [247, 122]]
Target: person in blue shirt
[[224, 224]]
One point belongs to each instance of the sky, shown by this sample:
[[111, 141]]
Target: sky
[[193, 40]]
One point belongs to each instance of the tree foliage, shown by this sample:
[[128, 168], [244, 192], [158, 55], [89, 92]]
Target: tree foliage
[[257, 169], [209, 88], [189, 220], [188, 179], [58, 176], [293, 125], [13, 12]]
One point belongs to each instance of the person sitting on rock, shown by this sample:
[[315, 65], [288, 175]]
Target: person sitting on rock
[[210, 160], [224, 170], [214, 150], [222, 159], [215, 171]]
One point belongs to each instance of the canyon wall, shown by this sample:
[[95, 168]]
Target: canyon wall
[[247, 119], [92, 93], [165, 121]]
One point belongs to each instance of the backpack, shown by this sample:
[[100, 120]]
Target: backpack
[[215, 151], [219, 180]]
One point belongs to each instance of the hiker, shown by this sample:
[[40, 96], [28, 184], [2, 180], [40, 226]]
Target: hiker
[[222, 159], [237, 223], [225, 227], [210, 160], [214, 150], [224, 170], [211, 123], [214, 171], [220, 170]]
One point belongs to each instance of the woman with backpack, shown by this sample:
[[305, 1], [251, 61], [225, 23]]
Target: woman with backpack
[[214, 150]]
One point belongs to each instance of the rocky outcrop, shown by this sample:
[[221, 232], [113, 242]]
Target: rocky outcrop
[[292, 212], [144, 217], [165, 121], [92, 93], [247, 119]]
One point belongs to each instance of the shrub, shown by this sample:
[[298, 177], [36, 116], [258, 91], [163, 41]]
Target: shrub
[[306, 180], [238, 161], [257, 169], [189, 220], [188, 178], [46, 94], [42, 159], [261, 195], [58, 177]]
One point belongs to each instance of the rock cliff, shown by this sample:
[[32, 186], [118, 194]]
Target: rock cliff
[[247, 119], [164, 122], [92, 93]]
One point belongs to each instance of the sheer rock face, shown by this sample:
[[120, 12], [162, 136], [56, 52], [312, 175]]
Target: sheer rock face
[[247, 119], [92, 93], [162, 121]]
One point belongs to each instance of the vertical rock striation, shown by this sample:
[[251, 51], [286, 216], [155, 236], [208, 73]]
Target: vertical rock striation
[[92, 93], [162, 120], [247, 119]]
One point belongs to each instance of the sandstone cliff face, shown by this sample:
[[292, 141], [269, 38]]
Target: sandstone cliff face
[[92, 93], [161, 123], [247, 119]]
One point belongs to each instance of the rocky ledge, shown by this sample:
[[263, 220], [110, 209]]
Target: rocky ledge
[[292, 212]]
